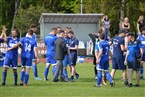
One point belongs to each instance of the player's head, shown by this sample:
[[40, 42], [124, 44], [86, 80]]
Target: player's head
[[122, 33], [70, 34], [33, 27], [30, 32], [59, 28], [65, 34], [131, 36], [99, 32], [143, 30], [67, 29], [101, 36], [14, 33], [53, 31], [61, 33]]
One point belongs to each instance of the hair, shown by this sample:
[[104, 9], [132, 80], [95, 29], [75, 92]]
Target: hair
[[15, 30], [100, 30], [30, 32], [33, 26], [58, 27], [143, 28], [131, 34], [126, 18], [60, 31], [54, 29], [140, 18], [71, 32], [102, 36]]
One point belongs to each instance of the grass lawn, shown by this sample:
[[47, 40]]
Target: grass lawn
[[83, 87]]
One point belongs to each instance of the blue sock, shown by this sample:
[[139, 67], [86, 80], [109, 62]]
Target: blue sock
[[53, 70], [22, 76], [65, 73], [108, 76], [46, 70], [15, 77], [141, 70], [99, 78], [4, 76], [26, 78], [34, 66]]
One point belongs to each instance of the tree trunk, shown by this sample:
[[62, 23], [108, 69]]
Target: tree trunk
[[122, 12], [17, 3]]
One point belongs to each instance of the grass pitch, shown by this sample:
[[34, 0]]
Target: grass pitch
[[83, 87]]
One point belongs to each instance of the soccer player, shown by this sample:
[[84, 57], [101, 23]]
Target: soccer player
[[66, 59], [60, 52], [118, 55], [102, 60], [134, 53], [11, 57], [2, 57], [142, 39], [34, 66], [50, 52], [3, 37], [73, 49], [29, 46]]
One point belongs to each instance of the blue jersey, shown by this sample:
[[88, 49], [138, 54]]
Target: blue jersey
[[73, 42], [134, 50], [117, 42], [105, 47], [35, 38], [66, 41], [142, 39], [49, 42], [28, 45], [11, 42]]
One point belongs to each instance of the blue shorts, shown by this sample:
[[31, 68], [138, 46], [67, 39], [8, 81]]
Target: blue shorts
[[135, 65], [26, 62], [1, 63], [11, 61], [65, 61], [50, 59], [118, 63], [103, 64], [73, 59], [143, 57]]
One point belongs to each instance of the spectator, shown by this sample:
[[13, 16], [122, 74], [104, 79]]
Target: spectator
[[140, 24], [126, 24], [106, 24]]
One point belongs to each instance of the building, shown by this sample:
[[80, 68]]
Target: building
[[82, 24]]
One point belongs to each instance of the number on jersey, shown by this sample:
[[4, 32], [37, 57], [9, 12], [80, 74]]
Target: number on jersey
[[107, 49], [27, 47]]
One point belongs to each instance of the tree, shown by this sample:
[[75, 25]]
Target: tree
[[28, 16]]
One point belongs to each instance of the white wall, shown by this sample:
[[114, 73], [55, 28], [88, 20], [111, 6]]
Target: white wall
[[81, 31]]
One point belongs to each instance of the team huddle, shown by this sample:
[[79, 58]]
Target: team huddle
[[62, 49]]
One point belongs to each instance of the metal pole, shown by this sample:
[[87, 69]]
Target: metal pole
[[81, 6]]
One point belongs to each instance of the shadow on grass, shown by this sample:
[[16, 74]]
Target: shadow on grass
[[86, 80]]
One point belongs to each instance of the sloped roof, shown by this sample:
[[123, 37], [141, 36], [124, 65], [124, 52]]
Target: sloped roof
[[69, 18]]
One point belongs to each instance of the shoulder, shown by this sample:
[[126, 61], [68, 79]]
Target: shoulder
[[75, 39]]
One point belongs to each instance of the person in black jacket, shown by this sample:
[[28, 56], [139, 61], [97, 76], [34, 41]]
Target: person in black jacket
[[94, 39], [60, 51]]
